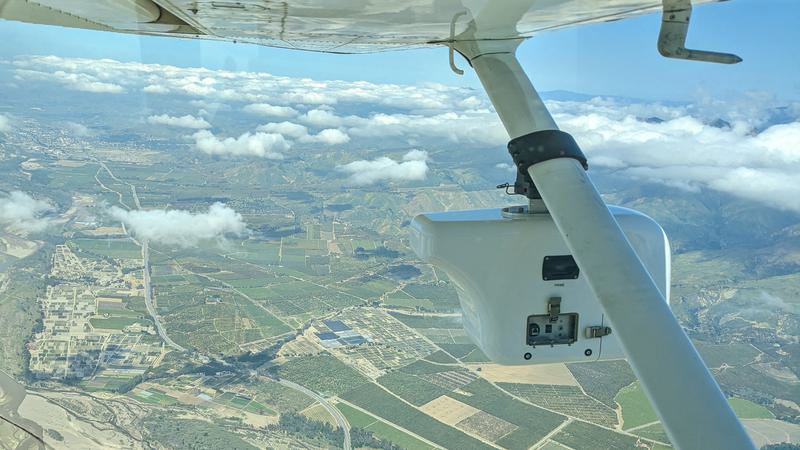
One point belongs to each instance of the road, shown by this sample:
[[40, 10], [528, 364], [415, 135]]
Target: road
[[148, 297], [340, 418], [148, 289]]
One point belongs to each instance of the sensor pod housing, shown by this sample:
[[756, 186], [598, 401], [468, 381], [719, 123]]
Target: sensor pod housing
[[523, 296]]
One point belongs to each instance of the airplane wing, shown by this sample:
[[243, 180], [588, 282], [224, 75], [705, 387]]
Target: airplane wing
[[334, 26]]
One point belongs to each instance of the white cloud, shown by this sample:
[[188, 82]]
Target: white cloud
[[5, 124], [181, 228], [314, 98], [265, 109], [474, 127], [321, 118], [329, 136], [263, 145], [187, 121], [292, 130], [19, 212], [677, 145], [413, 166], [77, 129], [684, 150], [155, 89], [252, 87], [74, 81]]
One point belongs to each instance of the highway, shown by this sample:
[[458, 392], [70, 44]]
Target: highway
[[148, 297], [340, 418], [148, 289]]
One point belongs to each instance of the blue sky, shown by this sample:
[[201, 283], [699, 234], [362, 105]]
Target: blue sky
[[617, 58]]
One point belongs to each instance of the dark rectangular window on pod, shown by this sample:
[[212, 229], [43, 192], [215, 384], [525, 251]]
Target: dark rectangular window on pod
[[559, 267]]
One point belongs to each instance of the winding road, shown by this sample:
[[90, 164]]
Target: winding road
[[340, 418]]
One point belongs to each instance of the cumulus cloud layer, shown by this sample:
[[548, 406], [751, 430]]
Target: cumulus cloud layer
[[19, 212], [747, 147], [5, 124], [181, 228], [674, 147], [265, 109], [262, 145], [187, 121], [328, 136], [252, 87], [414, 166], [471, 127]]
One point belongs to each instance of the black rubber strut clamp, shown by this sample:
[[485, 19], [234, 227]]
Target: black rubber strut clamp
[[542, 146], [536, 147]]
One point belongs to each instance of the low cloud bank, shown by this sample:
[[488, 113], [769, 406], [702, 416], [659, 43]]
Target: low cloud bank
[[19, 212], [689, 152], [259, 144], [414, 166], [5, 124], [265, 109], [187, 121], [181, 228]]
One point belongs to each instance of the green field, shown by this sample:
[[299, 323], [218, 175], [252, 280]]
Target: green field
[[117, 323], [104, 383], [604, 379], [277, 397], [380, 429], [321, 373], [715, 355], [746, 409], [203, 315], [155, 397], [636, 409], [411, 388], [114, 248], [581, 435], [533, 422], [377, 401], [568, 400], [257, 408], [118, 312]]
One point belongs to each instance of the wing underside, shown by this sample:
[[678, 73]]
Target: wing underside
[[335, 26]]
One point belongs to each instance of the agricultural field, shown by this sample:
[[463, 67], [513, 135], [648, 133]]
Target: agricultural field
[[111, 248], [380, 428], [275, 396], [569, 400], [153, 395], [378, 402], [637, 411], [583, 435], [603, 380], [423, 383], [208, 316], [321, 373]]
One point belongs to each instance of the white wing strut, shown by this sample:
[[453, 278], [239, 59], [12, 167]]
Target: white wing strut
[[686, 397]]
